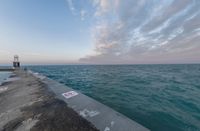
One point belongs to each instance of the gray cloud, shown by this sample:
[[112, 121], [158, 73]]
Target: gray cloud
[[147, 31]]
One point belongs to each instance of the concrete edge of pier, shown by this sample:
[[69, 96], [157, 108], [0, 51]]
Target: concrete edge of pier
[[101, 116]]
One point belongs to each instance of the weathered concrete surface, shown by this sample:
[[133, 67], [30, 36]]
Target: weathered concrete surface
[[103, 117], [27, 104]]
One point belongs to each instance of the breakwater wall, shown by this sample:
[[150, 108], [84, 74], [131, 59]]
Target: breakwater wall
[[101, 116]]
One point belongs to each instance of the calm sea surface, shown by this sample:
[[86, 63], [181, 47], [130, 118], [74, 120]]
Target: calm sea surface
[[160, 97]]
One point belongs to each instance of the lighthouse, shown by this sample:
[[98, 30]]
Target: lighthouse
[[16, 63]]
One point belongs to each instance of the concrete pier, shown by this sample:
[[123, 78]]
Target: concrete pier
[[35, 102], [27, 104]]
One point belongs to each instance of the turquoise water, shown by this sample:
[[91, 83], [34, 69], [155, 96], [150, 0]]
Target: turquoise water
[[160, 97], [3, 76]]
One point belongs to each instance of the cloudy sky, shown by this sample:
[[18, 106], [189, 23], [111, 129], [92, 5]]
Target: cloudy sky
[[100, 31]]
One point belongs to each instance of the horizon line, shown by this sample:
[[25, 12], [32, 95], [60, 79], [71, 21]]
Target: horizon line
[[103, 64]]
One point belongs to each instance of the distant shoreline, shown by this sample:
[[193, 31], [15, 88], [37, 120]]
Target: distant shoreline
[[90, 64], [6, 69]]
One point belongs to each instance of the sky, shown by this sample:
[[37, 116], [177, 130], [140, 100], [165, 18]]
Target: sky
[[100, 31]]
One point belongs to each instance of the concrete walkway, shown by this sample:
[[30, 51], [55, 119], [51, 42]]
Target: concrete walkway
[[27, 104]]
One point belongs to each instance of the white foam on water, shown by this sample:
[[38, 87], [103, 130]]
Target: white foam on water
[[12, 79], [3, 89], [4, 76], [36, 74]]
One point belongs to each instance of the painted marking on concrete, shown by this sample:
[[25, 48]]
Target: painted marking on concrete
[[86, 113], [107, 129], [69, 94], [112, 123]]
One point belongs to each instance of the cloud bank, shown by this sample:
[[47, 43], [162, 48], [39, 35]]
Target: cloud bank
[[146, 31]]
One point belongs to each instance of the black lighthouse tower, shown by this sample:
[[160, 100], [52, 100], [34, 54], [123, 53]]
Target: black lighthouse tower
[[16, 63]]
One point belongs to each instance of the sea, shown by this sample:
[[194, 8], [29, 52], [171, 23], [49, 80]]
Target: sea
[[4, 76], [159, 97]]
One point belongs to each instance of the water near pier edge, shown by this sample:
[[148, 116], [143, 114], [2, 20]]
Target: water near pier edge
[[3, 76], [160, 97]]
